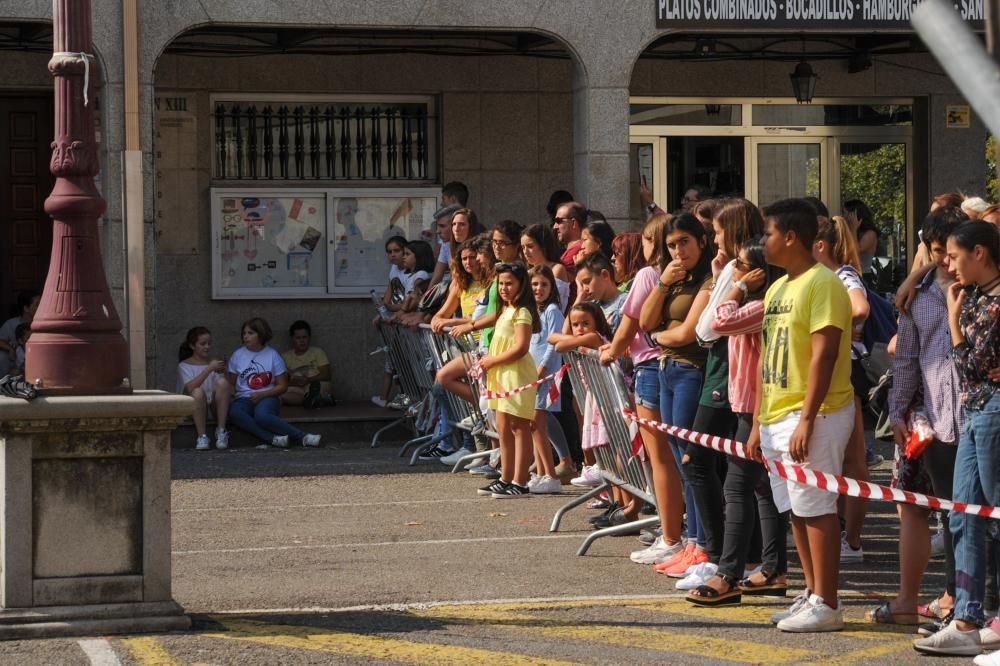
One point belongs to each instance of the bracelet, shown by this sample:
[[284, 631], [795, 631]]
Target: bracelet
[[661, 286], [742, 286]]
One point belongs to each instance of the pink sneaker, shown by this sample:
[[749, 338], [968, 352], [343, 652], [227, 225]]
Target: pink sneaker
[[698, 556], [684, 554]]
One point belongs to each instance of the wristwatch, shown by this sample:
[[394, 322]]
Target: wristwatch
[[742, 286], [662, 287]]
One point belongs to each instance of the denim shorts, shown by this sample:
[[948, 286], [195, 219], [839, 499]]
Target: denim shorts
[[647, 384]]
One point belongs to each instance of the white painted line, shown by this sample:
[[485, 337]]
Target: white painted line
[[100, 652], [341, 505], [330, 546]]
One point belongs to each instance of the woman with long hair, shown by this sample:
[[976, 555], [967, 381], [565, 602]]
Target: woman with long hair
[[540, 248], [627, 258], [595, 238]]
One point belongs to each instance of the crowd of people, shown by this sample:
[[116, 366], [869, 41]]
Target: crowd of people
[[757, 324]]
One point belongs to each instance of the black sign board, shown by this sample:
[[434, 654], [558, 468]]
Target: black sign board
[[827, 15]]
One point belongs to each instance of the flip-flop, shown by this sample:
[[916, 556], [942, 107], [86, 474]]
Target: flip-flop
[[703, 595], [768, 588], [884, 615]]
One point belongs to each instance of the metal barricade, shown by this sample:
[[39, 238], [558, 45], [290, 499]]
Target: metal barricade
[[412, 364], [618, 467]]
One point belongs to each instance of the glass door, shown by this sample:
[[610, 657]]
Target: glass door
[[646, 168], [787, 167]]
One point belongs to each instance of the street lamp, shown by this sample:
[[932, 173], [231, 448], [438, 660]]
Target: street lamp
[[803, 82], [76, 345]]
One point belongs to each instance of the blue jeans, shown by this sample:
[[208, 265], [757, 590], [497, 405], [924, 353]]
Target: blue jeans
[[262, 420], [680, 389], [977, 481], [647, 384]]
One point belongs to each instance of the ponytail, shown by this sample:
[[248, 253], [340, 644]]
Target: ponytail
[[837, 234]]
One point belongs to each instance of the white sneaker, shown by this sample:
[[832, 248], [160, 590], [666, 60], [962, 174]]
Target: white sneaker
[[951, 641], [454, 457], [546, 485], [495, 457], [697, 576], [815, 616], [379, 401], [311, 440], [482, 469], [203, 443], [281, 441], [992, 659], [988, 636], [590, 477], [849, 554], [221, 439], [798, 603], [659, 551]]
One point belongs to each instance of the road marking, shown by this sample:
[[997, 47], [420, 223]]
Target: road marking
[[329, 546], [100, 652], [342, 505], [149, 652], [371, 647]]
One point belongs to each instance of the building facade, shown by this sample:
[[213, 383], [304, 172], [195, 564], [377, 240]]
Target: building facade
[[283, 142]]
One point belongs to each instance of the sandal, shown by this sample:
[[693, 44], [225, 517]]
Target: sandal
[[14, 386], [703, 595], [932, 610], [768, 588], [884, 615]]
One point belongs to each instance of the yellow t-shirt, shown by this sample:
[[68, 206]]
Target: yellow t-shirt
[[795, 310], [306, 365]]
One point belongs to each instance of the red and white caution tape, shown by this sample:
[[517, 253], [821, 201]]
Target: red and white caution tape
[[553, 390], [833, 483]]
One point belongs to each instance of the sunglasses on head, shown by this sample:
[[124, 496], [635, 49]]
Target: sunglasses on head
[[514, 267]]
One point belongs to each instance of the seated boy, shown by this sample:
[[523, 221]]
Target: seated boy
[[309, 371]]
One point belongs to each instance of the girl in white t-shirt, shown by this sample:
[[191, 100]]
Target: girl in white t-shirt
[[202, 377], [260, 377], [418, 263]]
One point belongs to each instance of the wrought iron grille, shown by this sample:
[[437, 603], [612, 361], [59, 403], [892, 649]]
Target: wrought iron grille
[[324, 141]]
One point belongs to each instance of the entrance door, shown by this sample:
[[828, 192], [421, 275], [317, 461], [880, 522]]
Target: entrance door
[[784, 168], [25, 182]]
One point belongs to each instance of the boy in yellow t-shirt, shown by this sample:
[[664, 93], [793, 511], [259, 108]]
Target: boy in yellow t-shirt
[[805, 407], [308, 371]]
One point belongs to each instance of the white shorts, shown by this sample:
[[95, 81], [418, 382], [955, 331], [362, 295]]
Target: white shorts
[[827, 446]]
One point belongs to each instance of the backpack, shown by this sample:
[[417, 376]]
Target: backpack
[[881, 323]]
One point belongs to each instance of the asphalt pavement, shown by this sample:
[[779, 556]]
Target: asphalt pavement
[[346, 554]]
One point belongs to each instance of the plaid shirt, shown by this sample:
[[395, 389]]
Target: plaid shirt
[[923, 371]]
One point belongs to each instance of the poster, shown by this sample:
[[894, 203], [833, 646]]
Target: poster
[[364, 224], [311, 243]]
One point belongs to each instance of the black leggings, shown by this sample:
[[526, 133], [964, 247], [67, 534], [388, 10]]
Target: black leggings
[[746, 479], [939, 462], [702, 474]]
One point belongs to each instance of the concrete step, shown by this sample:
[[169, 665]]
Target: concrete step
[[349, 424]]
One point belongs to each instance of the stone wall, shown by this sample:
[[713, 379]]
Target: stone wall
[[505, 130]]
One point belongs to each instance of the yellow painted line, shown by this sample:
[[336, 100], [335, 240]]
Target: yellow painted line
[[631, 637], [149, 652], [369, 647], [865, 654]]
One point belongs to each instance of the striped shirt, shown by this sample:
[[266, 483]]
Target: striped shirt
[[923, 372], [743, 326]]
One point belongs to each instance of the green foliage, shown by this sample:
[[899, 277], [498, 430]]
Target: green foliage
[[991, 169], [876, 174]]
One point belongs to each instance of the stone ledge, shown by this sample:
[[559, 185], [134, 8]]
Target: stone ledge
[[140, 404], [103, 619]]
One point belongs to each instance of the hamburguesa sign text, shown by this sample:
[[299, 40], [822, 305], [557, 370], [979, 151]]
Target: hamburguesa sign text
[[847, 15]]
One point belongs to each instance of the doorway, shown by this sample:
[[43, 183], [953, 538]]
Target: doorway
[[25, 182]]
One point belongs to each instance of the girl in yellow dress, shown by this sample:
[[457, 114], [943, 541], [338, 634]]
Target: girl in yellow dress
[[509, 365]]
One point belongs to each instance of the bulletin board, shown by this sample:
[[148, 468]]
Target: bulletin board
[[311, 243]]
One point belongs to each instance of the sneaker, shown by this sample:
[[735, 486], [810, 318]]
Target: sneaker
[[951, 641], [222, 439], [873, 459], [565, 473], [992, 659], [698, 576], [601, 502], [589, 478], [658, 551], [849, 553], [931, 628], [532, 481], [280, 441], [493, 487], [649, 535], [455, 456], [614, 506], [203, 443], [798, 603], [682, 554], [311, 440], [815, 616], [400, 402], [610, 519], [697, 556], [546, 485], [989, 636], [481, 470], [379, 401], [510, 491], [472, 425], [434, 454]]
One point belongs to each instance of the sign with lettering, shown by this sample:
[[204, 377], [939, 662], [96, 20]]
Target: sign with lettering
[[837, 15]]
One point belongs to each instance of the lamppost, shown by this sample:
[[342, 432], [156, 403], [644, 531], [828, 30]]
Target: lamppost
[[76, 345]]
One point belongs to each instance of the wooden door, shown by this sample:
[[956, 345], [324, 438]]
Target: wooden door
[[25, 182]]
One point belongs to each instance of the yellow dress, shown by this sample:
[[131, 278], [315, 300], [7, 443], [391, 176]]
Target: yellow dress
[[512, 375]]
